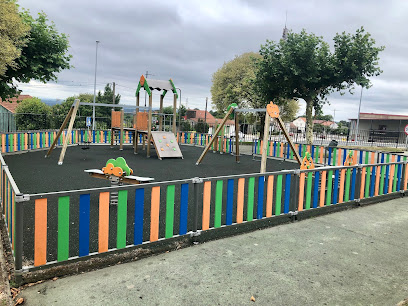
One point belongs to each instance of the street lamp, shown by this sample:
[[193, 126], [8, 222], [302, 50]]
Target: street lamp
[[93, 106], [358, 118], [179, 109]]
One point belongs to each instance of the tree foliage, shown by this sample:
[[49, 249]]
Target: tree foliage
[[304, 67], [288, 109], [13, 35], [32, 114], [44, 55], [102, 114], [233, 83]]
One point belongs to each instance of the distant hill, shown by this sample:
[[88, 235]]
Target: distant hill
[[51, 102]]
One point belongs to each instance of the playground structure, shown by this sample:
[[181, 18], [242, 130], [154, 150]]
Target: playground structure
[[118, 173], [142, 122], [271, 111]]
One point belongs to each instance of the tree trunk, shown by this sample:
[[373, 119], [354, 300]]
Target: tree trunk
[[309, 121]]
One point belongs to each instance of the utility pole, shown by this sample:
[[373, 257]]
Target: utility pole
[[113, 90], [358, 118], [147, 75], [205, 114], [93, 106]]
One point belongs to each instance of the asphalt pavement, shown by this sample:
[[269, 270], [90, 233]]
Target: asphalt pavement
[[354, 257]]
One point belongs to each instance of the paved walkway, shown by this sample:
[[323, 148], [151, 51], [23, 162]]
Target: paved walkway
[[355, 257]]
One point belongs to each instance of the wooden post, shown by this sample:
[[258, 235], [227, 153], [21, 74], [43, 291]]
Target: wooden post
[[265, 142], [122, 135], [135, 124], [71, 124], [174, 113], [60, 130], [292, 146], [161, 112], [236, 137], [216, 133], [149, 125]]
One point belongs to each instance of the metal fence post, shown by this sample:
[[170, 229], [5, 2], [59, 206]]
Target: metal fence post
[[18, 238], [293, 210], [196, 190]]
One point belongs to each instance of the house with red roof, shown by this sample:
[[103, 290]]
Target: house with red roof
[[193, 116], [7, 110], [300, 123]]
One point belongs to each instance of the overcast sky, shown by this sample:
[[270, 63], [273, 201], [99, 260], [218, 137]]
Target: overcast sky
[[189, 40]]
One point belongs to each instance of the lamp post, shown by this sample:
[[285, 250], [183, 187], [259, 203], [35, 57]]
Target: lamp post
[[179, 109], [93, 106], [358, 118]]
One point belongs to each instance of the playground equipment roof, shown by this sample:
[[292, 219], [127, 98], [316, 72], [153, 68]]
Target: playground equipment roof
[[160, 85]]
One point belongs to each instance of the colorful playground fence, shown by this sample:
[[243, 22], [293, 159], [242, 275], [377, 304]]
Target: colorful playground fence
[[87, 224], [330, 156], [15, 142]]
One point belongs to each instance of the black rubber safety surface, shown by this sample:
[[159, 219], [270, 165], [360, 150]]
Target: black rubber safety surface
[[35, 174]]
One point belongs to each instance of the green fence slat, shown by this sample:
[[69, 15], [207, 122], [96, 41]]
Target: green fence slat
[[366, 157], [43, 139], [308, 190], [278, 200], [347, 188], [122, 219], [98, 135], [11, 143], [381, 191], [251, 194], [63, 228], [316, 154], [367, 182], [329, 187], [218, 204], [334, 156], [170, 211], [277, 149], [394, 183]]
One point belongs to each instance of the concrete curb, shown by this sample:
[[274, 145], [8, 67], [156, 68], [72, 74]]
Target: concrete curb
[[5, 293]]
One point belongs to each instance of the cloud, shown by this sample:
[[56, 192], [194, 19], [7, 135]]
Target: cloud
[[189, 40]]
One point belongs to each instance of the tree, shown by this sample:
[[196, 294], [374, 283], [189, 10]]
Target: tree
[[304, 67], [233, 83], [288, 110], [32, 114], [44, 55], [13, 35], [201, 126], [323, 117], [102, 114]]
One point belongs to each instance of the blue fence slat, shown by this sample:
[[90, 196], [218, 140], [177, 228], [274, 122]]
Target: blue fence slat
[[353, 184], [372, 183], [300, 150], [287, 194], [183, 209], [316, 188], [399, 176], [330, 156], [139, 211], [84, 208], [94, 136], [230, 198], [261, 185], [361, 157], [335, 187], [387, 173]]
